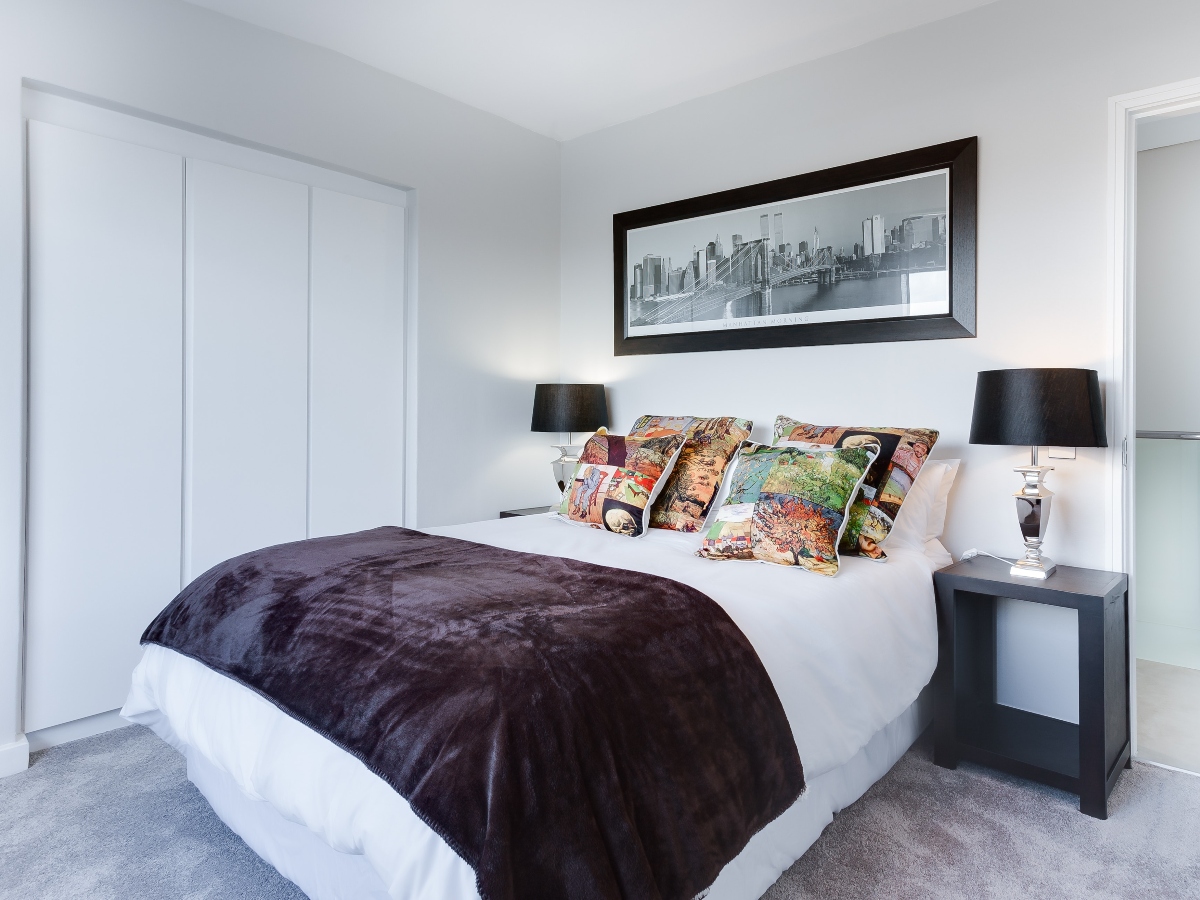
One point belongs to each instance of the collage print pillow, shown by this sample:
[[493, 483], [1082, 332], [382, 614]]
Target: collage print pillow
[[902, 453], [616, 480], [788, 505], [689, 491]]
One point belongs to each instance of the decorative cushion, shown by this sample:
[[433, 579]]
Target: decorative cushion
[[617, 479], [788, 505], [688, 493], [903, 452]]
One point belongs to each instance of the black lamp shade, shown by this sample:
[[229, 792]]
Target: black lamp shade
[[569, 407], [1039, 408]]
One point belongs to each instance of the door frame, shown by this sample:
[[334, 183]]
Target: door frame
[[1124, 113]]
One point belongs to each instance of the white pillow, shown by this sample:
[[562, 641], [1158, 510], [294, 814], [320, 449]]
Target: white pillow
[[938, 554], [912, 522], [923, 515], [937, 516]]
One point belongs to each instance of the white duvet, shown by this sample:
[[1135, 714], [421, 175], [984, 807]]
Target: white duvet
[[847, 655]]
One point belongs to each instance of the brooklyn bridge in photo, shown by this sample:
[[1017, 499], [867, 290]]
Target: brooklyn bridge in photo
[[768, 276]]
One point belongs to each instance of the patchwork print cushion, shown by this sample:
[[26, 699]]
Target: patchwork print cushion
[[616, 480], [788, 505], [690, 489], [903, 452]]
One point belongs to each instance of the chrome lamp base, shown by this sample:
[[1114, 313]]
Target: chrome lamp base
[[1033, 515], [564, 467], [1042, 567]]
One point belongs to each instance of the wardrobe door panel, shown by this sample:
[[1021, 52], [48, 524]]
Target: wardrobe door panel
[[105, 414], [357, 364], [245, 472]]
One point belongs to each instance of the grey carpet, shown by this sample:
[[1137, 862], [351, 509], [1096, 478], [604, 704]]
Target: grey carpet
[[114, 816], [970, 833]]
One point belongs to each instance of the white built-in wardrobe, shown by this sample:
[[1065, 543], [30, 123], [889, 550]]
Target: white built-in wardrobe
[[216, 364]]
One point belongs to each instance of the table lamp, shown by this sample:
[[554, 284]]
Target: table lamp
[[1038, 408], [569, 408]]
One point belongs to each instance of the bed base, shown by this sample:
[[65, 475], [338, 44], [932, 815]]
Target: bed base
[[324, 873]]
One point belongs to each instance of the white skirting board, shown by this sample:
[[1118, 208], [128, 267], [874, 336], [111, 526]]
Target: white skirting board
[[74, 731], [14, 757]]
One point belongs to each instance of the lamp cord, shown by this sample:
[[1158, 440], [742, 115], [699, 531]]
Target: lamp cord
[[972, 553]]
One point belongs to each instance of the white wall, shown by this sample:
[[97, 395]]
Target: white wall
[[495, 210], [487, 201], [1031, 79]]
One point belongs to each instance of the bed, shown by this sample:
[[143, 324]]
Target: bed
[[848, 657]]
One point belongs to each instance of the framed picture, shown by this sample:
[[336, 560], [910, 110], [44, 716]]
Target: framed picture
[[881, 250]]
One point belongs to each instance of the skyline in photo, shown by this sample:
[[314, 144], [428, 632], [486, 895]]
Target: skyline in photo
[[837, 218]]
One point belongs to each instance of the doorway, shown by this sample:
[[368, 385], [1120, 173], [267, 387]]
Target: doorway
[[1167, 473], [1155, 404]]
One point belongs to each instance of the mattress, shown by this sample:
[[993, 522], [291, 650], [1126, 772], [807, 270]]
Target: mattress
[[848, 657]]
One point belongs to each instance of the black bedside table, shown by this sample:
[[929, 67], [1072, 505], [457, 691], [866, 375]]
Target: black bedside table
[[968, 723], [526, 511]]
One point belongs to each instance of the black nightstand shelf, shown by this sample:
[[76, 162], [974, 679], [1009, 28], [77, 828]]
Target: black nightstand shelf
[[525, 511], [1085, 759]]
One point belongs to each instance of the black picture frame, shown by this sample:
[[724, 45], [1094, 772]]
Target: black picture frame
[[959, 157]]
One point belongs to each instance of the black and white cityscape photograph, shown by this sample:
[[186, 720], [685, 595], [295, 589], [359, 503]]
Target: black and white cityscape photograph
[[874, 251]]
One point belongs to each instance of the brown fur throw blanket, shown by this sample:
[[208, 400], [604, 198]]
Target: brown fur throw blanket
[[571, 730]]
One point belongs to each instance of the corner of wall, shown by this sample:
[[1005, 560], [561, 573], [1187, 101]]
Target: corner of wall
[[411, 366]]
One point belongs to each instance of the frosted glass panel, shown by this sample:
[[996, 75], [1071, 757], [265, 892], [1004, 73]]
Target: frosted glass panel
[[1168, 552], [1168, 292]]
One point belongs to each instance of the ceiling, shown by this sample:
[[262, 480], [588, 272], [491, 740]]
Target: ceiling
[[564, 68], [1177, 127]]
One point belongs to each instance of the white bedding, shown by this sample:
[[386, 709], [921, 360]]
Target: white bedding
[[847, 655]]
